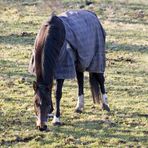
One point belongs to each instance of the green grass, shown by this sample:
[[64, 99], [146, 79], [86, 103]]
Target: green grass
[[126, 79]]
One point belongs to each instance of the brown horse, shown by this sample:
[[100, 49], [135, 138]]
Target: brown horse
[[51, 55]]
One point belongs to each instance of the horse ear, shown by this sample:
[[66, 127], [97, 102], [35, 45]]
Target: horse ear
[[50, 18], [53, 13], [35, 86]]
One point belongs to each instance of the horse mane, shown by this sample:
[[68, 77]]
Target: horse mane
[[48, 44], [39, 45]]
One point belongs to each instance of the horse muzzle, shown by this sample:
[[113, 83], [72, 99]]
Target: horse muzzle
[[42, 128], [41, 125]]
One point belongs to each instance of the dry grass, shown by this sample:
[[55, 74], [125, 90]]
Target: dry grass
[[126, 79]]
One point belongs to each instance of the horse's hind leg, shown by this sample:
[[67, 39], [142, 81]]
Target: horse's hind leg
[[58, 93], [101, 80], [80, 102]]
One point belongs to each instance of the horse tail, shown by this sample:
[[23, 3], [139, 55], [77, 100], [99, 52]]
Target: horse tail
[[95, 89]]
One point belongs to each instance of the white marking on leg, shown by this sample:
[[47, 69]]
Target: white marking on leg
[[104, 99], [56, 120], [105, 105], [80, 102], [50, 115]]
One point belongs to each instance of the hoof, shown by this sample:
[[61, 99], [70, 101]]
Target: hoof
[[105, 107], [44, 128], [58, 123], [78, 111]]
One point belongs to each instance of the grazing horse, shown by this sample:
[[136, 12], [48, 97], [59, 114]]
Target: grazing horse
[[65, 47]]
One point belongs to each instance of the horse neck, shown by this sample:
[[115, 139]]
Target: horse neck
[[48, 45], [52, 47], [39, 43]]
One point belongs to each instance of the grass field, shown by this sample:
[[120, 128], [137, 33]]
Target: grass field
[[126, 24]]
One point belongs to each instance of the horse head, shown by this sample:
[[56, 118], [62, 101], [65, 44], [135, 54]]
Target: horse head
[[42, 105]]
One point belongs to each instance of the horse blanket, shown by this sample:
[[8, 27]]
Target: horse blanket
[[84, 46]]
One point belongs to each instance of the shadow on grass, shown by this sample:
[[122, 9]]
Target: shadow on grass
[[137, 6], [23, 38], [130, 21], [139, 115], [13, 68], [74, 133], [128, 47], [97, 129]]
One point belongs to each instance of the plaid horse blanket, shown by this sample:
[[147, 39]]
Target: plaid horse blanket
[[84, 46]]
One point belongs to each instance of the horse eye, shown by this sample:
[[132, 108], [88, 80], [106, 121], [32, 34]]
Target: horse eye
[[38, 103]]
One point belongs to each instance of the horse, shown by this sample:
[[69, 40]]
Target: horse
[[63, 50]]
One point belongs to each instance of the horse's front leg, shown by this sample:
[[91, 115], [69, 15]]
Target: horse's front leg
[[80, 100], [58, 93]]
